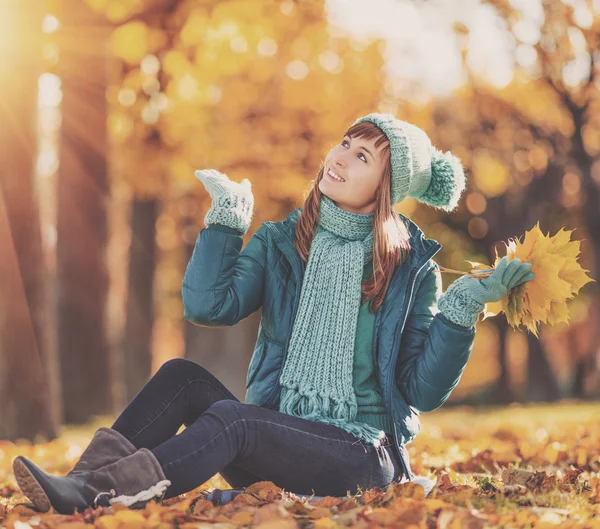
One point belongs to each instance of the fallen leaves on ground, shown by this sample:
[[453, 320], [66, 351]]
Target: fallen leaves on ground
[[512, 467]]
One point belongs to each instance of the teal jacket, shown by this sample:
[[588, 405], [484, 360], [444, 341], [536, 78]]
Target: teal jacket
[[420, 355]]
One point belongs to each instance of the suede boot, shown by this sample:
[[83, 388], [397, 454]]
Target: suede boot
[[107, 446], [132, 481]]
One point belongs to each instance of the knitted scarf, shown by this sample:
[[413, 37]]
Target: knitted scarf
[[316, 378]]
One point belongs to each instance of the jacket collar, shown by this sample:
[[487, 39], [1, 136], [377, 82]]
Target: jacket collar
[[283, 232]]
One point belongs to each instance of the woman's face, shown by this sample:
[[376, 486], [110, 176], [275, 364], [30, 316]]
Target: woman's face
[[360, 165]]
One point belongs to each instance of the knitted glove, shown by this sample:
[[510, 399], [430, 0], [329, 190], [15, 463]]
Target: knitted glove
[[232, 202], [465, 298]]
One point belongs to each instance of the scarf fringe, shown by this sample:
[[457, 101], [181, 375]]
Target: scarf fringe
[[310, 405]]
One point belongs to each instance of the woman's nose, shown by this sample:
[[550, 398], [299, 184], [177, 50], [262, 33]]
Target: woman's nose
[[339, 161]]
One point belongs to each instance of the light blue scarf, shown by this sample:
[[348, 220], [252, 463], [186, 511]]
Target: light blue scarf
[[316, 378]]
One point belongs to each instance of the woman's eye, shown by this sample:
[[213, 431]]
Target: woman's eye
[[360, 154]]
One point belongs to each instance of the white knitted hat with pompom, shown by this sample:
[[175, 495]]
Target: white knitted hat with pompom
[[419, 170]]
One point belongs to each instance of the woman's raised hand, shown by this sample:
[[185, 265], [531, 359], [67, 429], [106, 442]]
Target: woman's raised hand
[[232, 202]]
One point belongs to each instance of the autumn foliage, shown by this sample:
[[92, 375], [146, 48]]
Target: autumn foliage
[[512, 467], [260, 90]]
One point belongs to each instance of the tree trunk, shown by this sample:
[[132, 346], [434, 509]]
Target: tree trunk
[[26, 409], [542, 385], [503, 393], [224, 351], [590, 196], [82, 195], [585, 376], [137, 342], [584, 366]]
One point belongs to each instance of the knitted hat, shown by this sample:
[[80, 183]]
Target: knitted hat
[[419, 170]]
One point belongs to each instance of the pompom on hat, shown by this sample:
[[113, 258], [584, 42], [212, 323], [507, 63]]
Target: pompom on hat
[[419, 170]]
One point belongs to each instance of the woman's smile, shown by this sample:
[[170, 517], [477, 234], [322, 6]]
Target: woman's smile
[[335, 178]]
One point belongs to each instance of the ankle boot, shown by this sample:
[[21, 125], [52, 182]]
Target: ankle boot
[[132, 481], [107, 446]]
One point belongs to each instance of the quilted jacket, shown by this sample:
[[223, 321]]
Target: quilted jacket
[[419, 354]]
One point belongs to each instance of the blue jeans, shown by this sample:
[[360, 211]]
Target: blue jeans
[[245, 443]]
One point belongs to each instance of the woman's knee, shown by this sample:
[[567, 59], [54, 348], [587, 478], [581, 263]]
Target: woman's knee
[[228, 410], [182, 368]]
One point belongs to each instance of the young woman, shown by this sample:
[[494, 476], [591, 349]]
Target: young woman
[[356, 338]]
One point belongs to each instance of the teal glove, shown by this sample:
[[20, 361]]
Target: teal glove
[[467, 296], [232, 202]]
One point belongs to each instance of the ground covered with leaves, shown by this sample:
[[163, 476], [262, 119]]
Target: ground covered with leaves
[[516, 466]]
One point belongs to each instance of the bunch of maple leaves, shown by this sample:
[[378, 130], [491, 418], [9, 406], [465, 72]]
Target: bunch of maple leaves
[[558, 278]]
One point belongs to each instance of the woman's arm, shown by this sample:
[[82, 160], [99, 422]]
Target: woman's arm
[[222, 285], [433, 352]]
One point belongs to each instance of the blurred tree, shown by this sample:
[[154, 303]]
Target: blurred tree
[[548, 164], [504, 198], [26, 409], [145, 209], [228, 85], [566, 72], [82, 195], [270, 83], [137, 335], [522, 148], [131, 23]]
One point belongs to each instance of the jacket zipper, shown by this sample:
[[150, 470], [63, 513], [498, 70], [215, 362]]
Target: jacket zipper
[[402, 451], [377, 317], [407, 471], [411, 281], [374, 345], [289, 247]]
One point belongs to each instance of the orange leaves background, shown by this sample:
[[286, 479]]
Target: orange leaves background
[[262, 89]]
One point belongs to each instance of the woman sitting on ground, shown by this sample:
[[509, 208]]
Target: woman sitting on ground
[[356, 338]]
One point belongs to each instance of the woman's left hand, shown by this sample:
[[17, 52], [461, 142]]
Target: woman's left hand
[[467, 296]]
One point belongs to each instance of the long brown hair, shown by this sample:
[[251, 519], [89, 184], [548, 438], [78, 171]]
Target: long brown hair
[[391, 244]]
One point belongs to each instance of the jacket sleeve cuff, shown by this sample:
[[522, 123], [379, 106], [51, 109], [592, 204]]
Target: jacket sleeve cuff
[[223, 228], [458, 305], [456, 326]]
